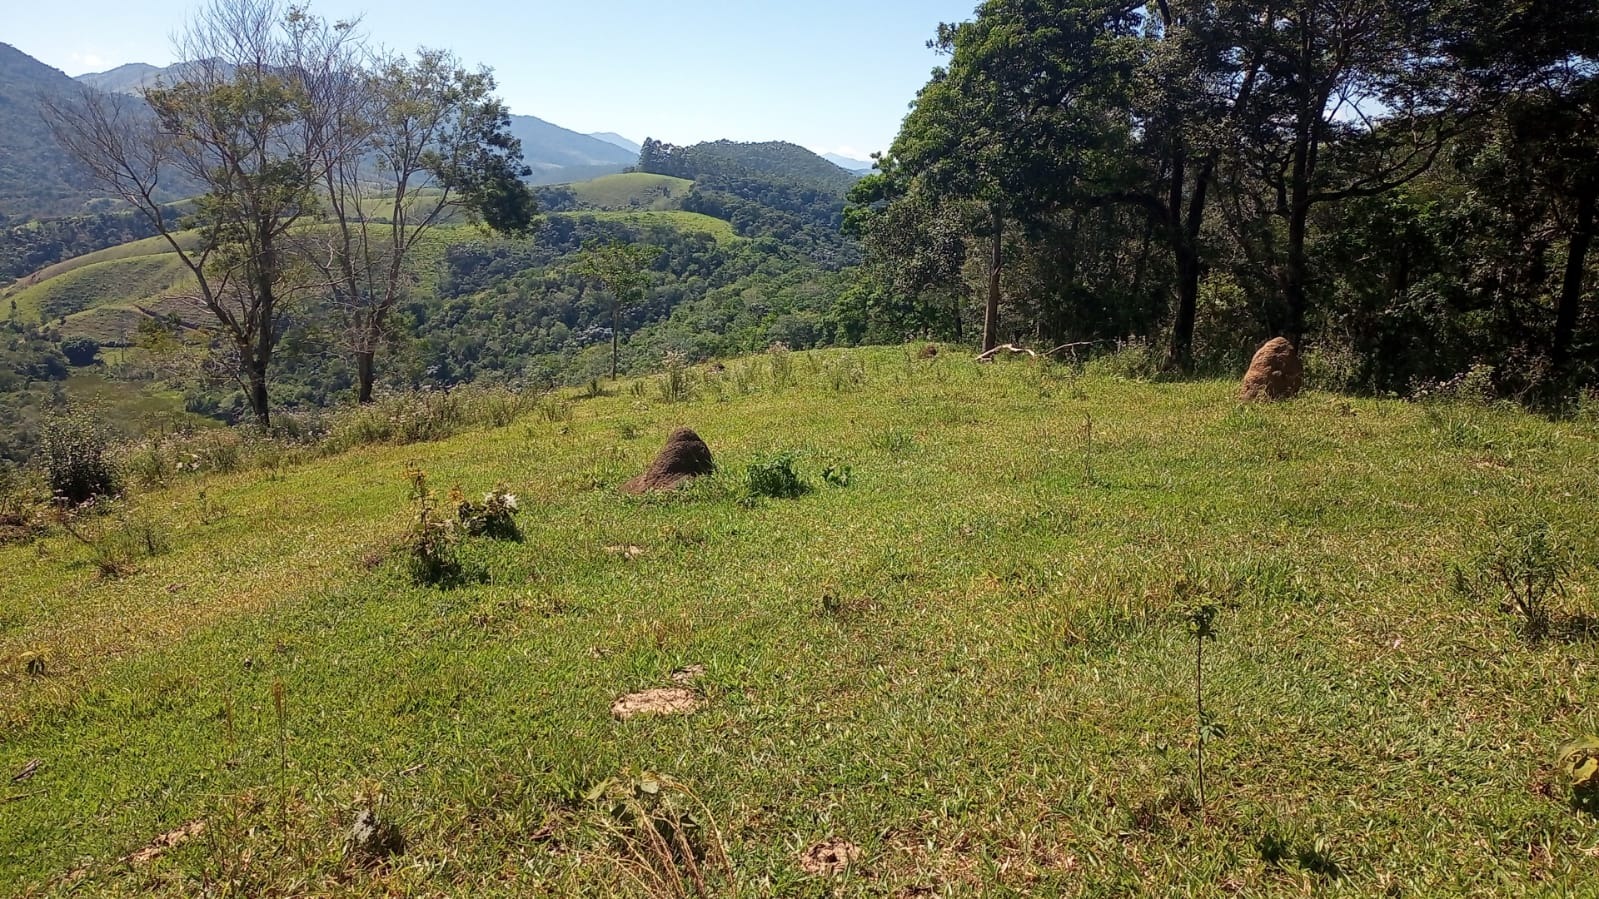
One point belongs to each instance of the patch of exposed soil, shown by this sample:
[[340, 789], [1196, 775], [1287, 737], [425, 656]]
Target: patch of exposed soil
[[656, 701], [830, 857]]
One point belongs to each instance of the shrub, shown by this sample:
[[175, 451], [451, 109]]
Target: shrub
[[19, 519], [844, 373], [775, 477], [494, 517], [431, 545], [1524, 570], [76, 454], [80, 351], [782, 364], [676, 385], [1133, 360]]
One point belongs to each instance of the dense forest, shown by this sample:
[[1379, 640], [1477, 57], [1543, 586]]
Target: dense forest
[[1408, 188]]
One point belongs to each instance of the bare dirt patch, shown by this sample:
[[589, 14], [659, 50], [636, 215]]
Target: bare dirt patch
[[627, 551], [656, 701], [830, 857], [169, 840]]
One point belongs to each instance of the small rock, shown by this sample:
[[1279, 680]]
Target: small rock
[[687, 674]]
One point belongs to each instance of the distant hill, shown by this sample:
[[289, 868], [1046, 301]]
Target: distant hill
[[776, 160], [547, 146], [850, 164], [126, 79], [36, 178], [611, 137]]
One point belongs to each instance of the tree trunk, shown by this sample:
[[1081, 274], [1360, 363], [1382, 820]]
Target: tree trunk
[[615, 336], [1186, 250], [257, 386], [1566, 312], [363, 376], [955, 314], [995, 262], [1295, 274]]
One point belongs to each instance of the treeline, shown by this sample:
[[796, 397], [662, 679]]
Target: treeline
[[27, 245], [522, 312], [1406, 188]]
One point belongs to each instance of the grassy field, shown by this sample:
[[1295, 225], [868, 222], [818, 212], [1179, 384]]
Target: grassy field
[[119, 282], [150, 246], [633, 190], [970, 661], [687, 221]]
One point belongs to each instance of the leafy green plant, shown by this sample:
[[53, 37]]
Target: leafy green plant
[[494, 516], [432, 543], [1524, 570], [837, 475], [775, 477], [75, 451]]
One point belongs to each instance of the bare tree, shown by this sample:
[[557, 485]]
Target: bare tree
[[249, 119]]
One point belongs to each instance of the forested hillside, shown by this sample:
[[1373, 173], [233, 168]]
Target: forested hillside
[[36, 178]]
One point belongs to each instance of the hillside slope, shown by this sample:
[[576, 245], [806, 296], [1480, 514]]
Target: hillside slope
[[35, 176], [966, 658]]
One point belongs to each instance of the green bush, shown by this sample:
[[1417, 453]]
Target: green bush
[[80, 351], [1524, 570], [75, 451], [775, 477], [494, 517]]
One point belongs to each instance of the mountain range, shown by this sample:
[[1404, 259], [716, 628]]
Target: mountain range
[[38, 179]]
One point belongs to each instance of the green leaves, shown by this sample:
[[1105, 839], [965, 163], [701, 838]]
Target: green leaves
[[1578, 760]]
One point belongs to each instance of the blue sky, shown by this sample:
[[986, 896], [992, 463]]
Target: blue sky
[[832, 75]]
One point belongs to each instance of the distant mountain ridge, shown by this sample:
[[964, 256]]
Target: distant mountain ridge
[[849, 163], [611, 137], [546, 147], [125, 79]]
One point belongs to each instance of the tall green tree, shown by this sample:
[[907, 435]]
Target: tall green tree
[[622, 269], [1021, 117], [420, 142]]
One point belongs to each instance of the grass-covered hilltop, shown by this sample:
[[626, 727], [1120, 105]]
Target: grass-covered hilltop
[[929, 629]]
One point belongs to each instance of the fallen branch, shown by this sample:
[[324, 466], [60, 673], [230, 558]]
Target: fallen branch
[[1021, 350]]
